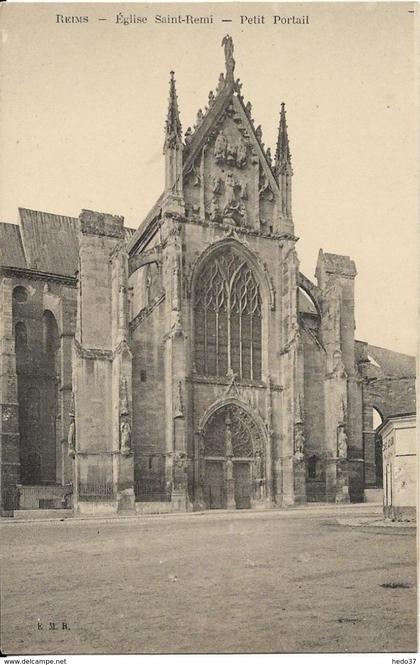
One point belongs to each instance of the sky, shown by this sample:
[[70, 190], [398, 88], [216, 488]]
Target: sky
[[83, 107]]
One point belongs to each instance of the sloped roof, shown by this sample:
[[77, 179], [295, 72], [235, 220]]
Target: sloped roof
[[386, 363], [50, 241], [44, 241], [11, 247]]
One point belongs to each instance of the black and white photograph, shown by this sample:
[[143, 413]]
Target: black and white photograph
[[208, 301]]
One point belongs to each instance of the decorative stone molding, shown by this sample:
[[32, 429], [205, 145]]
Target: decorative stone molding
[[101, 224], [28, 273], [92, 354]]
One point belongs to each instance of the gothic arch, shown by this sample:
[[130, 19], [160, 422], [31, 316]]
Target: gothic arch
[[50, 332], [251, 257], [221, 404], [230, 313]]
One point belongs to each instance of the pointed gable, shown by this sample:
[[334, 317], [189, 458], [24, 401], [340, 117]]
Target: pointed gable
[[228, 175]]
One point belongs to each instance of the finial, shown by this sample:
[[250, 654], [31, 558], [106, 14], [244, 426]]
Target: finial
[[283, 162], [173, 129], [227, 43]]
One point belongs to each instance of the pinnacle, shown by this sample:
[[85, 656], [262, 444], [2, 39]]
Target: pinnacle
[[173, 129], [283, 160]]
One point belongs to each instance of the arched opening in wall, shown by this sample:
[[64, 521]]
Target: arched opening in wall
[[227, 317], [233, 459], [377, 422], [20, 294], [21, 337], [308, 311], [50, 334]]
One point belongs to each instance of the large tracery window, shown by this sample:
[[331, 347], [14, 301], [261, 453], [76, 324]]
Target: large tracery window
[[227, 315]]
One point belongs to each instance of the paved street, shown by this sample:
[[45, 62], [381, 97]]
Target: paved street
[[278, 581]]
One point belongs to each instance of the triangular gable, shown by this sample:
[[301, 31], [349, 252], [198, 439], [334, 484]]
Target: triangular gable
[[227, 177]]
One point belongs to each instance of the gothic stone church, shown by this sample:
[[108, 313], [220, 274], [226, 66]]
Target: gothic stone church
[[188, 364]]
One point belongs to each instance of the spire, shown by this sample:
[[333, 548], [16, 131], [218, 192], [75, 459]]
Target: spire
[[172, 149], [283, 159], [173, 129]]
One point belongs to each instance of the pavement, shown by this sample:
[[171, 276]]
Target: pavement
[[312, 579]]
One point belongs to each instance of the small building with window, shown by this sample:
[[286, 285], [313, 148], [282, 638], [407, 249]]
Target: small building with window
[[399, 447]]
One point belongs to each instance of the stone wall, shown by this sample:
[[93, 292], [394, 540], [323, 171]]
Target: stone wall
[[38, 339]]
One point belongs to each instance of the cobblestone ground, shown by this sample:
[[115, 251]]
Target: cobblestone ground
[[277, 581]]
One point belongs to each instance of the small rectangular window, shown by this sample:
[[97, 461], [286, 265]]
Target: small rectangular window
[[143, 375]]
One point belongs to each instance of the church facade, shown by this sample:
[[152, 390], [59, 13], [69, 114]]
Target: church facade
[[189, 364]]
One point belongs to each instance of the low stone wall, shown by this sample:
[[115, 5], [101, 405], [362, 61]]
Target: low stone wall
[[42, 514], [35, 497], [97, 508], [153, 507]]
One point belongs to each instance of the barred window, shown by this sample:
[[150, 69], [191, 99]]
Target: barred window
[[227, 315]]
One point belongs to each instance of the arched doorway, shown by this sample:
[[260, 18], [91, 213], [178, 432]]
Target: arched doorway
[[233, 459]]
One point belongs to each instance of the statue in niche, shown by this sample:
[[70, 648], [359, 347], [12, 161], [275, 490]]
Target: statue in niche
[[231, 154], [341, 442], [244, 191], [125, 425], [227, 43], [178, 407], [228, 435], [214, 210], [196, 177], [243, 213], [125, 436], [216, 184], [241, 155], [179, 469], [220, 148], [71, 435], [299, 443], [188, 136], [230, 184]]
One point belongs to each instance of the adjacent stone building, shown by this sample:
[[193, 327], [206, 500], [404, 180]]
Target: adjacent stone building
[[400, 467], [188, 364]]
